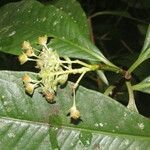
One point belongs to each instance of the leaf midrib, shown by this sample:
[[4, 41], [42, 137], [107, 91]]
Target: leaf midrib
[[122, 135]]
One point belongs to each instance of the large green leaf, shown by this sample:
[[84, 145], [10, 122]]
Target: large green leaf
[[143, 86], [145, 53], [32, 123], [28, 20]]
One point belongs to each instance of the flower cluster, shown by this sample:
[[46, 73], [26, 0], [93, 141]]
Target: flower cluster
[[54, 71]]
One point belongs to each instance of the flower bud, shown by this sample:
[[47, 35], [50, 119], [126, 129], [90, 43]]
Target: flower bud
[[62, 79], [26, 79], [39, 64], [74, 113], [26, 45], [49, 96], [23, 58], [30, 52], [29, 88], [43, 40]]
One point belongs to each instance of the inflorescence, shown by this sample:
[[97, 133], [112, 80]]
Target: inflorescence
[[54, 71]]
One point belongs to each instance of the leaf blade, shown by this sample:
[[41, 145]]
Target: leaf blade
[[145, 53], [116, 126], [143, 86], [17, 134], [31, 20]]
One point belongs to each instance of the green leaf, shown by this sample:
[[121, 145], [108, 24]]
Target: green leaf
[[73, 9], [20, 134], [32, 123], [31, 19], [143, 86], [66, 5], [145, 53], [102, 76], [75, 51]]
